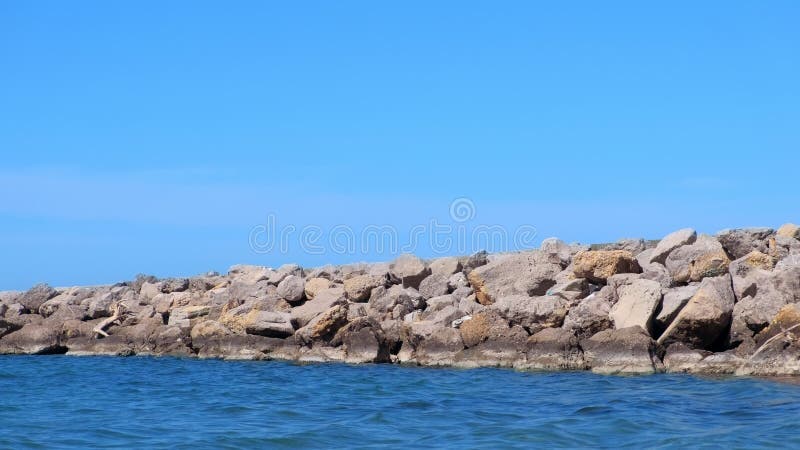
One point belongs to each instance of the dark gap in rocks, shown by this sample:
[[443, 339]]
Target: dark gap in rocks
[[723, 341], [165, 317], [394, 347], [54, 350]]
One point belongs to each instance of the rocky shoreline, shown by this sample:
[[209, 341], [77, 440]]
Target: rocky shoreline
[[722, 304]]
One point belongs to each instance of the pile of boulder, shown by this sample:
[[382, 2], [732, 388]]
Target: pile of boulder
[[723, 304]]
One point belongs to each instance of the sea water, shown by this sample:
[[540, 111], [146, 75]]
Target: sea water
[[139, 402]]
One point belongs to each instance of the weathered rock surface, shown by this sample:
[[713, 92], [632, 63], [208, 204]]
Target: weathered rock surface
[[672, 241], [561, 307], [636, 305], [625, 351], [599, 265], [526, 273], [704, 258], [704, 319]]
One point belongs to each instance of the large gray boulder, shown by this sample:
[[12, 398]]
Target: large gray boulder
[[36, 296], [636, 305], [359, 288], [624, 351], [292, 288], [393, 303], [777, 347], [526, 273], [430, 343], [33, 339], [363, 341], [672, 241], [704, 258], [674, 300], [590, 316], [434, 285], [768, 293], [705, 318], [554, 349], [532, 313], [739, 242], [410, 270], [445, 266], [270, 324], [323, 301]]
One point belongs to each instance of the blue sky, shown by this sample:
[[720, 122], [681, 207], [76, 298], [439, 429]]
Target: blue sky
[[154, 136]]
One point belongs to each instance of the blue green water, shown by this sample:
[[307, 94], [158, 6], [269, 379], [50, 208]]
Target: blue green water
[[66, 402]]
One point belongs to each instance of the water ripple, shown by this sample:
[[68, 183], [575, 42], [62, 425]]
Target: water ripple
[[64, 402]]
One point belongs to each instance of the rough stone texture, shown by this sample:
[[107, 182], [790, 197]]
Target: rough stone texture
[[674, 300], [789, 230], [556, 251], [636, 305], [305, 313], [430, 344], [36, 296], [33, 339], [324, 326], [625, 351], [394, 302], [292, 288], [526, 273], [364, 342], [765, 293], [554, 349], [589, 317], [359, 288], [571, 290], [705, 318], [672, 241], [262, 323], [778, 346], [445, 266], [314, 285], [434, 285], [537, 315], [410, 270], [532, 313], [681, 359], [704, 258], [738, 243], [599, 265]]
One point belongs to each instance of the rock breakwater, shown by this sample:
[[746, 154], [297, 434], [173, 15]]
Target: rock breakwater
[[722, 304]]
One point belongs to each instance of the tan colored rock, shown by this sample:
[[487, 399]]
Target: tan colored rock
[[209, 329], [475, 330], [327, 324], [263, 323], [314, 285], [359, 288], [599, 265], [704, 258], [789, 230], [758, 260]]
